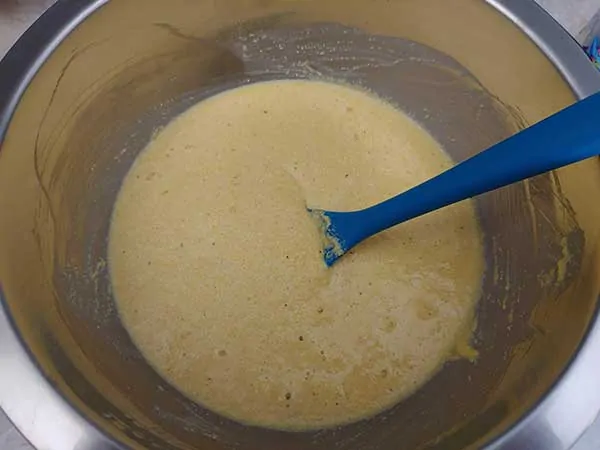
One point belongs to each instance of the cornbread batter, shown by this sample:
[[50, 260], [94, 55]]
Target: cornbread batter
[[216, 268]]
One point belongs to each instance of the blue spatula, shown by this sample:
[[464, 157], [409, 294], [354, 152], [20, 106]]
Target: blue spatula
[[567, 137]]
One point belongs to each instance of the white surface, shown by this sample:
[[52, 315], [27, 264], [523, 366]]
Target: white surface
[[15, 17], [579, 17]]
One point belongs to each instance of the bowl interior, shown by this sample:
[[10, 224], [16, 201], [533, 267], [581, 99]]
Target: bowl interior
[[106, 89]]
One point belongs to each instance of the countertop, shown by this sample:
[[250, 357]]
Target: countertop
[[580, 17]]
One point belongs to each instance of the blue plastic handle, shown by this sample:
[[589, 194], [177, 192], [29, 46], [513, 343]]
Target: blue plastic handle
[[569, 136]]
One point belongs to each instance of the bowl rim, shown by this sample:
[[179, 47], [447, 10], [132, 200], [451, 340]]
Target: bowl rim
[[49, 421]]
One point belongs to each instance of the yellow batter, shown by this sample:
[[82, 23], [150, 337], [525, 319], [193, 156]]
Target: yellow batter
[[216, 268]]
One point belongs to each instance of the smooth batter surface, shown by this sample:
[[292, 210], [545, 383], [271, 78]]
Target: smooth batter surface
[[216, 267]]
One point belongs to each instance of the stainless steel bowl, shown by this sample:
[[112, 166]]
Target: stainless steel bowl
[[82, 92]]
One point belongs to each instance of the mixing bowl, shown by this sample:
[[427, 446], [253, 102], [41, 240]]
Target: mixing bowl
[[87, 86]]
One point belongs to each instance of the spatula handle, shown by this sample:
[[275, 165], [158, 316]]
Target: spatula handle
[[569, 136]]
